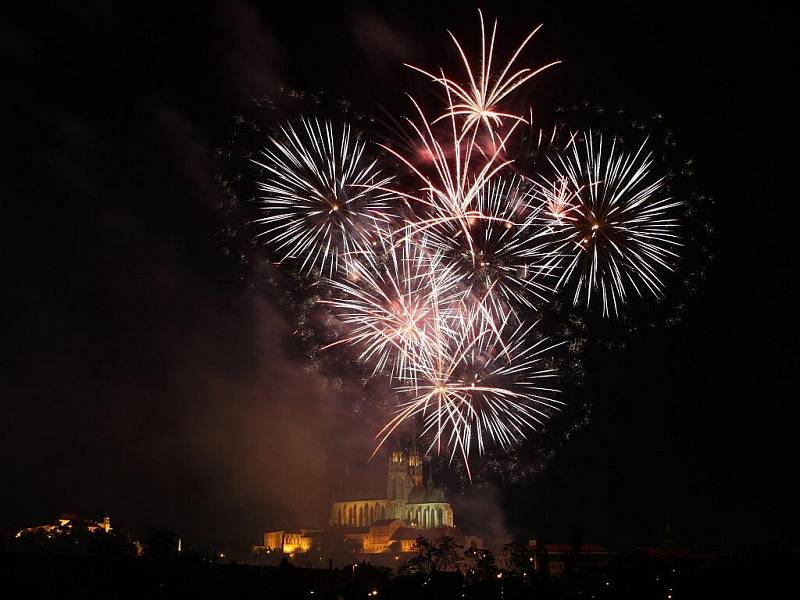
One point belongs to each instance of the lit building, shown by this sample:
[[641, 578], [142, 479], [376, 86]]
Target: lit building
[[557, 559], [66, 523], [289, 541], [382, 521], [406, 499]]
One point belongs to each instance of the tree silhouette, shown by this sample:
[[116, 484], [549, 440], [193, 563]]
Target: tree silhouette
[[435, 556]]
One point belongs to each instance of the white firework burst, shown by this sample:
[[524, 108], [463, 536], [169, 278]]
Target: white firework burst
[[320, 194], [397, 303], [503, 252], [612, 221], [477, 102], [474, 389]]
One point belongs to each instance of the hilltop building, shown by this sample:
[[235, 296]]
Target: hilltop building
[[66, 523]]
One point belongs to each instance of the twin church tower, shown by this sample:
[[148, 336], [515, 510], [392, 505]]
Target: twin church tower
[[407, 499]]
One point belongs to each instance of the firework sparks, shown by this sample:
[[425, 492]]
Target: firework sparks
[[393, 303], [472, 388], [321, 194], [455, 175], [505, 252], [478, 101], [438, 298], [559, 200], [613, 219]]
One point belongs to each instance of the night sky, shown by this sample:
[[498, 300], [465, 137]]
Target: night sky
[[142, 378]]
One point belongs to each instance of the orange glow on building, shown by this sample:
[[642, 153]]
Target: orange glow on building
[[381, 523]]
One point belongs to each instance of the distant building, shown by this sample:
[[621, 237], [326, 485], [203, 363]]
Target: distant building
[[68, 523], [381, 521], [669, 551], [557, 559], [289, 542]]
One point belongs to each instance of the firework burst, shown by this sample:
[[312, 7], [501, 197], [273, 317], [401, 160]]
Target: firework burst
[[505, 253], [451, 174], [611, 219], [472, 388], [437, 296], [396, 303], [477, 103], [320, 195]]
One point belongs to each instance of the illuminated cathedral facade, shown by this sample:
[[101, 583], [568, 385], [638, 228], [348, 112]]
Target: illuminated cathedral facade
[[381, 521], [407, 499]]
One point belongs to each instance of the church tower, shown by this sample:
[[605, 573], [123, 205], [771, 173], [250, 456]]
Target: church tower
[[415, 466], [397, 483]]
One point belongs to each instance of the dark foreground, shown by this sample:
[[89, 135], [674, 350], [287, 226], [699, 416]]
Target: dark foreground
[[755, 574]]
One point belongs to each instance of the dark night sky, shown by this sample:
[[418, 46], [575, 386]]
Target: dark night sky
[[140, 378]]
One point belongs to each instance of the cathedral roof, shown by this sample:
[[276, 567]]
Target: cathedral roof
[[367, 482], [426, 495]]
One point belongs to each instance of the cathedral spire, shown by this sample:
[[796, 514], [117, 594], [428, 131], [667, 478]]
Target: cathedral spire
[[415, 464]]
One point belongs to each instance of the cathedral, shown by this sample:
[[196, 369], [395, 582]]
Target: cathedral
[[378, 519], [406, 499]]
